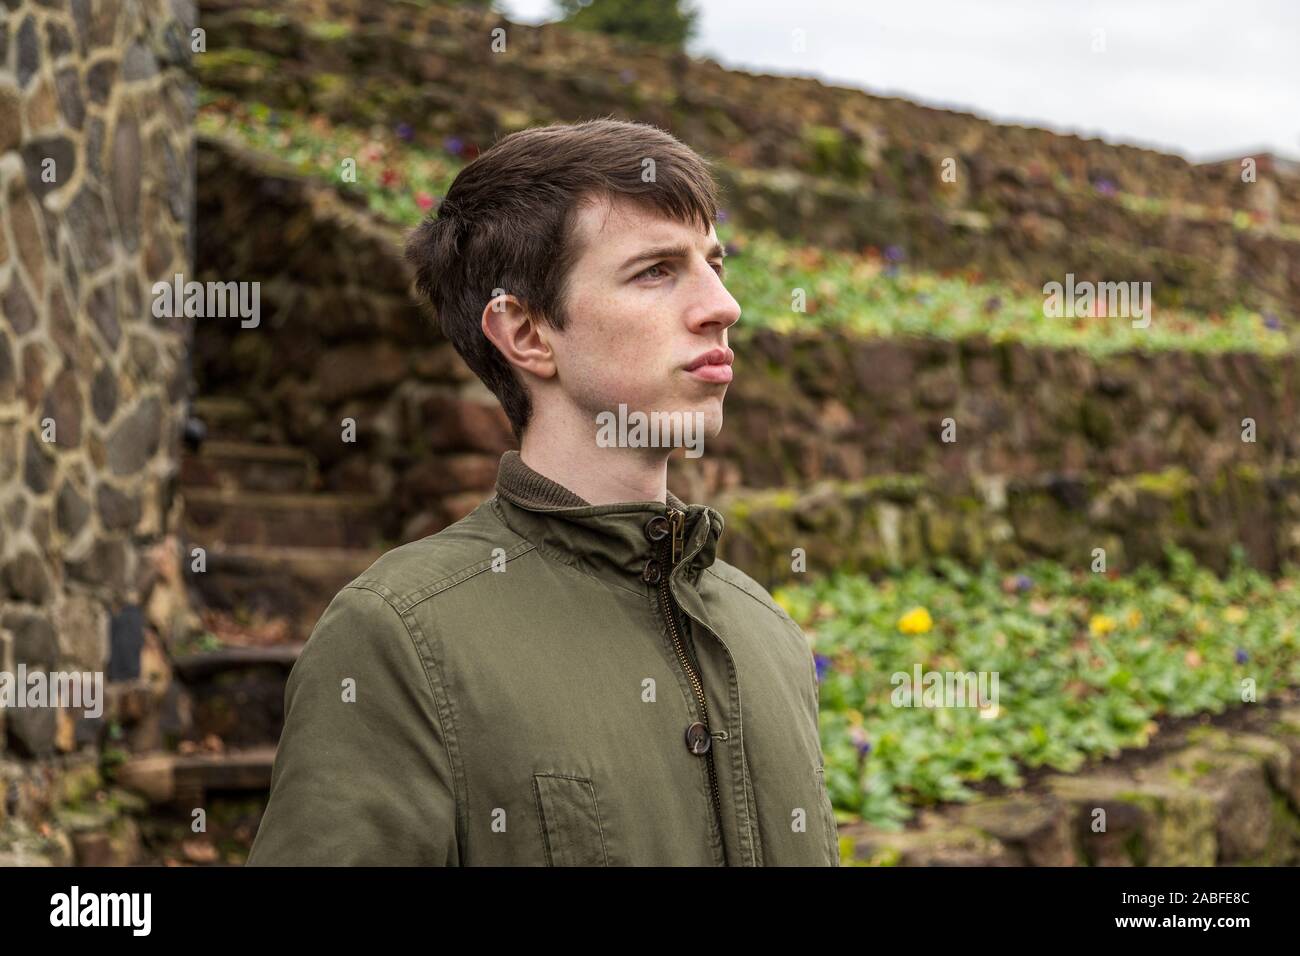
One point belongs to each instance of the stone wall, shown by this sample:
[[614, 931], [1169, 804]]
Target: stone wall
[[831, 405], [833, 164], [340, 337], [1052, 431], [434, 63], [895, 522], [1018, 227], [96, 195]]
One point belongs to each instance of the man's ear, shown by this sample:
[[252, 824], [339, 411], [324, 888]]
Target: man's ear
[[519, 336]]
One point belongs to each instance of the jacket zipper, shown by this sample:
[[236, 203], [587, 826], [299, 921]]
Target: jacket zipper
[[675, 546]]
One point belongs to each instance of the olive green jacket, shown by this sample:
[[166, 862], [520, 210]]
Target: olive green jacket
[[548, 682]]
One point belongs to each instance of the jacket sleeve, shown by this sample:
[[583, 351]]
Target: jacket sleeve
[[362, 775]]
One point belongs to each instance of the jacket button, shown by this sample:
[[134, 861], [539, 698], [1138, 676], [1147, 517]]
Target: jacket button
[[656, 529], [698, 740], [651, 573]]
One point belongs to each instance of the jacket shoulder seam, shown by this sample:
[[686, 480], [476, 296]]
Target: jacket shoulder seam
[[408, 599]]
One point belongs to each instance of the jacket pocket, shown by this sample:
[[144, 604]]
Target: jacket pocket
[[569, 820], [828, 816]]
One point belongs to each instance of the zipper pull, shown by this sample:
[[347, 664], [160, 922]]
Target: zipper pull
[[677, 522]]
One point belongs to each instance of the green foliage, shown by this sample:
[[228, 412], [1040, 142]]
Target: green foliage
[[110, 759], [329, 29], [872, 293], [868, 294], [395, 179], [266, 18], [1087, 664], [670, 23], [831, 154]]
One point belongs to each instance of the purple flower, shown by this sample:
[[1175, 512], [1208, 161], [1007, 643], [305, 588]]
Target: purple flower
[[1271, 321], [823, 665], [722, 215], [454, 145], [860, 740], [405, 132], [1242, 656], [730, 248], [895, 253], [1106, 187], [1024, 582]]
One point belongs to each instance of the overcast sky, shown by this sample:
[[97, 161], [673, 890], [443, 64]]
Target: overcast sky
[[1204, 78]]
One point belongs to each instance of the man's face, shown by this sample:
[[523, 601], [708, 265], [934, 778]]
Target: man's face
[[647, 317]]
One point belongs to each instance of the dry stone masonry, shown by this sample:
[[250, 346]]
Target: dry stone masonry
[[96, 203]]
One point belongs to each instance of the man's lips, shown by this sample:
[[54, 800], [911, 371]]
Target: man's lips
[[713, 366]]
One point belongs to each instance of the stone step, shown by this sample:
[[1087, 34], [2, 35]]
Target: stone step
[[185, 780], [203, 665], [219, 517], [230, 418], [237, 693], [292, 583], [246, 466]]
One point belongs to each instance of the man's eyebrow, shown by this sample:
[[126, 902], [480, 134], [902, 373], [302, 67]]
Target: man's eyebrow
[[677, 251]]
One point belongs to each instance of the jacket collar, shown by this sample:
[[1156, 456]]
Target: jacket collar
[[609, 541]]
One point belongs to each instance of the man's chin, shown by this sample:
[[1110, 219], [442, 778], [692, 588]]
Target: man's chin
[[712, 421], [709, 424], [690, 424]]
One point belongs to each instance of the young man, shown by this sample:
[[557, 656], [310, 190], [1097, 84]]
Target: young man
[[568, 675]]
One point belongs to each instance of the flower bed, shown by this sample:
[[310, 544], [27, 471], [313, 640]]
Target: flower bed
[[1087, 663]]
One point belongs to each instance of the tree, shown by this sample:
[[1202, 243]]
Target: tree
[[666, 22]]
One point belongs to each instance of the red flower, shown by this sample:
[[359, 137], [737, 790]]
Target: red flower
[[388, 177], [424, 200]]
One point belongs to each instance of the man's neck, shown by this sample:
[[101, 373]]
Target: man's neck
[[601, 476]]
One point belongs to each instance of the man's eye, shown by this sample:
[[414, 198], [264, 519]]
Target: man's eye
[[718, 267]]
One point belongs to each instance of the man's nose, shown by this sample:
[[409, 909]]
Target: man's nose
[[717, 307]]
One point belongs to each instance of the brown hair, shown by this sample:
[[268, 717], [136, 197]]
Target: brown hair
[[507, 221]]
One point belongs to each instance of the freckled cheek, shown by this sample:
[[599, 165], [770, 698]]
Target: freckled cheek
[[634, 342], [624, 351]]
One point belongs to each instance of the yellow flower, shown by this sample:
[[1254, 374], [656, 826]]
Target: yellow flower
[[1101, 625], [1234, 614], [915, 621], [1134, 618], [779, 597]]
